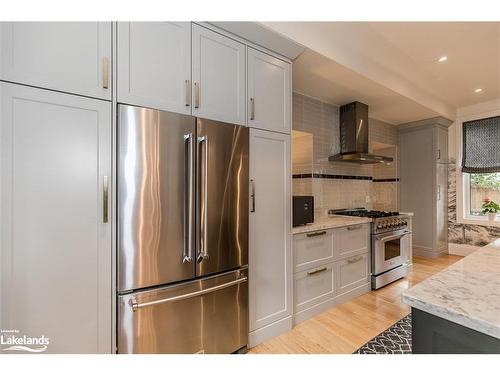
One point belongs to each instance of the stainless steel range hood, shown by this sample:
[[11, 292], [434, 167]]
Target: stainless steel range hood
[[354, 136]]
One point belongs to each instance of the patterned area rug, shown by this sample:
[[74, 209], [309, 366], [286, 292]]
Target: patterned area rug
[[394, 340]]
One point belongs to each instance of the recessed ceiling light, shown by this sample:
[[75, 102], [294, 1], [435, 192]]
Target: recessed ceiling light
[[443, 59], [478, 90]]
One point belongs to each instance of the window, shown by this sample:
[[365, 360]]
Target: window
[[480, 167], [480, 186]]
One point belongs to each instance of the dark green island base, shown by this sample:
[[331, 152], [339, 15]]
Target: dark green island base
[[434, 335]]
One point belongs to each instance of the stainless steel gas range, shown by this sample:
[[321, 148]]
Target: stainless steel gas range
[[390, 244]]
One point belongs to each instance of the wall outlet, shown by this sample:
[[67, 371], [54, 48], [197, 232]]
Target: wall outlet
[[367, 199]]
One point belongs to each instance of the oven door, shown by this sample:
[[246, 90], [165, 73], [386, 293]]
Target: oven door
[[390, 250]]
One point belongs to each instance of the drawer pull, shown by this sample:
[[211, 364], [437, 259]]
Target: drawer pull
[[315, 234], [354, 227], [354, 260], [316, 271]]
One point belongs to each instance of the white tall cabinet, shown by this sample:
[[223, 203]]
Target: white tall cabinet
[[423, 148], [73, 57], [270, 262], [154, 65], [55, 231]]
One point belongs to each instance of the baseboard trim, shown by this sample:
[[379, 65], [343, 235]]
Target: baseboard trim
[[428, 252], [303, 315], [461, 249], [269, 331]]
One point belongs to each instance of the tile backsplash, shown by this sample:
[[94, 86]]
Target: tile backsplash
[[315, 136]]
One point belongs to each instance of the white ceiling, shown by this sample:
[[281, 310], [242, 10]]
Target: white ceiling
[[392, 66], [320, 77]]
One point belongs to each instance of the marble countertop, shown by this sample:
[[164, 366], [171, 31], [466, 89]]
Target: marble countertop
[[335, 221], [466, 293]]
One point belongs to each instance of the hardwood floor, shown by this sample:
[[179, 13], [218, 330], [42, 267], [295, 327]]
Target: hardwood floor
[[346, 327]]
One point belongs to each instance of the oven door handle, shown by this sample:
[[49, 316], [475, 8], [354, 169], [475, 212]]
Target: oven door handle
[[393, 237]]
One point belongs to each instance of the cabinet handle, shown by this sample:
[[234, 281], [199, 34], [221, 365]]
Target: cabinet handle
[[439, 192], [438, 154], [105, 72], [354, 260], [187, 90], [316, 271], [105, 199], [196, 95], [203, 252], [135, 306], [315, 234], [252, 108], [187, 255], [354, 227], [252, 195]]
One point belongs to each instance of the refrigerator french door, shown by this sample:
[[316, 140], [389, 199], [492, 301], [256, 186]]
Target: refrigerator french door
[[182, 233]]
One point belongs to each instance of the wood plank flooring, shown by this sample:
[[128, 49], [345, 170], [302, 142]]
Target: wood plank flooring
[[346, 327]]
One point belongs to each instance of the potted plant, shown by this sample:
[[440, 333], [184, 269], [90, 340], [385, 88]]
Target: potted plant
[[491, 208]]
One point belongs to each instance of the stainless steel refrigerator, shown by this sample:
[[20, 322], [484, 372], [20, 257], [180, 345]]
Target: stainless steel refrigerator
[[182, 233]]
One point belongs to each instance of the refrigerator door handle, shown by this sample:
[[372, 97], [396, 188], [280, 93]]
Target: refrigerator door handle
[[187, 255], [135, 306], [203, 250]]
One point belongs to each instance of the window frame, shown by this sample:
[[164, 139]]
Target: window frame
[[463, 180]]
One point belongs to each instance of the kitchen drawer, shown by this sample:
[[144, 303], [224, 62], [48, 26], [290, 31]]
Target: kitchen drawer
[[312, 249], [314, 286], [351, 240], [352, 272]]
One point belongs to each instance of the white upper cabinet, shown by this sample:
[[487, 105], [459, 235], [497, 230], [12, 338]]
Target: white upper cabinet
[[73, 57], [269, 92], [55, 233], [219, 75], [154, 65]]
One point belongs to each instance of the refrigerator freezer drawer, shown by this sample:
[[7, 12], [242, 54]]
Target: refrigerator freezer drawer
[[209, 315]]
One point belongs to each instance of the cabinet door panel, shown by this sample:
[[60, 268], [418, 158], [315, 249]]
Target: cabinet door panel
[[351, 240], [314, 286], [441, 145], [154, 65], [55, 247], [352, 273], [64, 56], [441, 206], [269, 92], [313, 249], [270, 225], [219, 77]]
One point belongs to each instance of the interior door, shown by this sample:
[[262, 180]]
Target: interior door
[[219, 77], [154, 65], [155, 197], [73, 57], [223, 197], [269, 90], [56, 219]]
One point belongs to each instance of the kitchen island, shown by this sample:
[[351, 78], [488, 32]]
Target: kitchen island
[[458, 309]]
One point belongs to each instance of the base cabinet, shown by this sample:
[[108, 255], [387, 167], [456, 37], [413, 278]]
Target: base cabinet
[[339, 268], [55, 213], [270, 264]]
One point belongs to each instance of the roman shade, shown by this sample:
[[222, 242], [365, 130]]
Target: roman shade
[[481, 145]]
